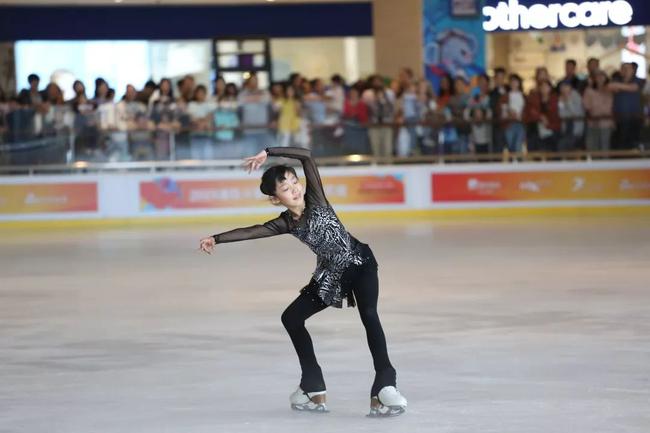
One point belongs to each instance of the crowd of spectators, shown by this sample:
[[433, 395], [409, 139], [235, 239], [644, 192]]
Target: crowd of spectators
[[403, 116]]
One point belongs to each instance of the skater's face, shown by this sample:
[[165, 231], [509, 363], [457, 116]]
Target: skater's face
[[289, 192]]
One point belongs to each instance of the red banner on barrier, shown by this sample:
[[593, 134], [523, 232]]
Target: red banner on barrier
[[28, 198], [167, 193], [541, 185]]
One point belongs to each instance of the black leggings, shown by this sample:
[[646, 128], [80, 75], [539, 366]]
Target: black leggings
[[363, 281]]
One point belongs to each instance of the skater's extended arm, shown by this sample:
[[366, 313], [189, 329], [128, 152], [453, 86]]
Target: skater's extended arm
[[274, 227], [314, 193]]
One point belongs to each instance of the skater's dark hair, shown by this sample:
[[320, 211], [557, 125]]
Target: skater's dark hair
[[274, 174]]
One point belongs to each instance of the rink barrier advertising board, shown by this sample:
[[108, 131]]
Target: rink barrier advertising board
[[421, 187], [170, 193], [631, 184], [36, 198], [386, 189]]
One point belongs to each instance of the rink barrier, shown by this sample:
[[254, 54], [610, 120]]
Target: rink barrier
[[366, 217], [415, 191]]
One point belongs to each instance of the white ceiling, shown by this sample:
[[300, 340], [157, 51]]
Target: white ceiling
[[164, 2]]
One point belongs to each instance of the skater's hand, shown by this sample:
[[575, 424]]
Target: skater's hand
[[207, 245], [255, 162]]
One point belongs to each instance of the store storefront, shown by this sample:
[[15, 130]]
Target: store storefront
[[525, 34], [467, 37]]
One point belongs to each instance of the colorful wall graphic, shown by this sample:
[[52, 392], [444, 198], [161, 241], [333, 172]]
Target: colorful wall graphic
[[454, 40]]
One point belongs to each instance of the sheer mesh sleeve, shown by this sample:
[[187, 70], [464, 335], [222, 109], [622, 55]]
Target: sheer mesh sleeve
[[274, 227], [314, 193]]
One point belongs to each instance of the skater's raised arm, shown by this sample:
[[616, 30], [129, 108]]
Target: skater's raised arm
[[273, 227], [314, 192]]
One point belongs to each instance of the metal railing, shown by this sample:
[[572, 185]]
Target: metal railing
[[73, 142]]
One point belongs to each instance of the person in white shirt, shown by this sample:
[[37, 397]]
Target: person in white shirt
[[201, 111], [126, 112], [571, 111], [255, 106], [512, 108], [336, 98]]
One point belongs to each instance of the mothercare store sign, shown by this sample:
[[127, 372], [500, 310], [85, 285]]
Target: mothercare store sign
[[521, 15]]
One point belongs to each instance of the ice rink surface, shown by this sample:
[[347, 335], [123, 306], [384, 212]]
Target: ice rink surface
[[507, 325]]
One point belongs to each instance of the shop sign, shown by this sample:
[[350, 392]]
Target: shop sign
[[512, 16]]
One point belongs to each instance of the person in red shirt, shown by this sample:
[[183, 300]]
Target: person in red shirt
[[354, 108], [355, 118], [542, 117]]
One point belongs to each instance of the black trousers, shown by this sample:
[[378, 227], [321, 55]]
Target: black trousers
[[363, 281], [627, 133]]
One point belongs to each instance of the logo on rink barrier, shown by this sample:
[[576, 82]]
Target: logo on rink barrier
[[530, 186], [512, 16], [627, 185], [482, 187]]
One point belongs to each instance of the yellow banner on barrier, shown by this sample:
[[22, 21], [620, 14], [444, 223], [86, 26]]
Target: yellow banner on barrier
[[604, 184], [33, 198]]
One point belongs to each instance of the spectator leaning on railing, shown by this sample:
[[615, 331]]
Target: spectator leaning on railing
[[129, 113], [4, 107], [31, 96], [355, 118], [409, 117], [570, 76], [572, 114], [289, 119], [255, 112], [598, 101], [627, 107], [428, 107], [542, 115], [226, 116], [593, 67], [510, 112], [200, 110], [381, 110]]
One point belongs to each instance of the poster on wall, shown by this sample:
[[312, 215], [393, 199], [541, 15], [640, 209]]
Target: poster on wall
[[464, 8], [169, 193], [614, 184], [35, 198], [453, 45]]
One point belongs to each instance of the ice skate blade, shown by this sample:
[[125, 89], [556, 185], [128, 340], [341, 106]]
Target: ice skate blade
[[386, 412], [320, 408]]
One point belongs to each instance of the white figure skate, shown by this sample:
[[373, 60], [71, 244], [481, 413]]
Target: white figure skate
[[389, 402], [308, 401]]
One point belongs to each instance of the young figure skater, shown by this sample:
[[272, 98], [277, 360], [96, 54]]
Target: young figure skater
[[346, 268]]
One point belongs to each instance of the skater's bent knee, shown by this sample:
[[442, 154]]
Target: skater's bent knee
[[369, 314], [290, 321]]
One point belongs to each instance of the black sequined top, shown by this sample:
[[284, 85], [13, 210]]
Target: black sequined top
[[318, 227]]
